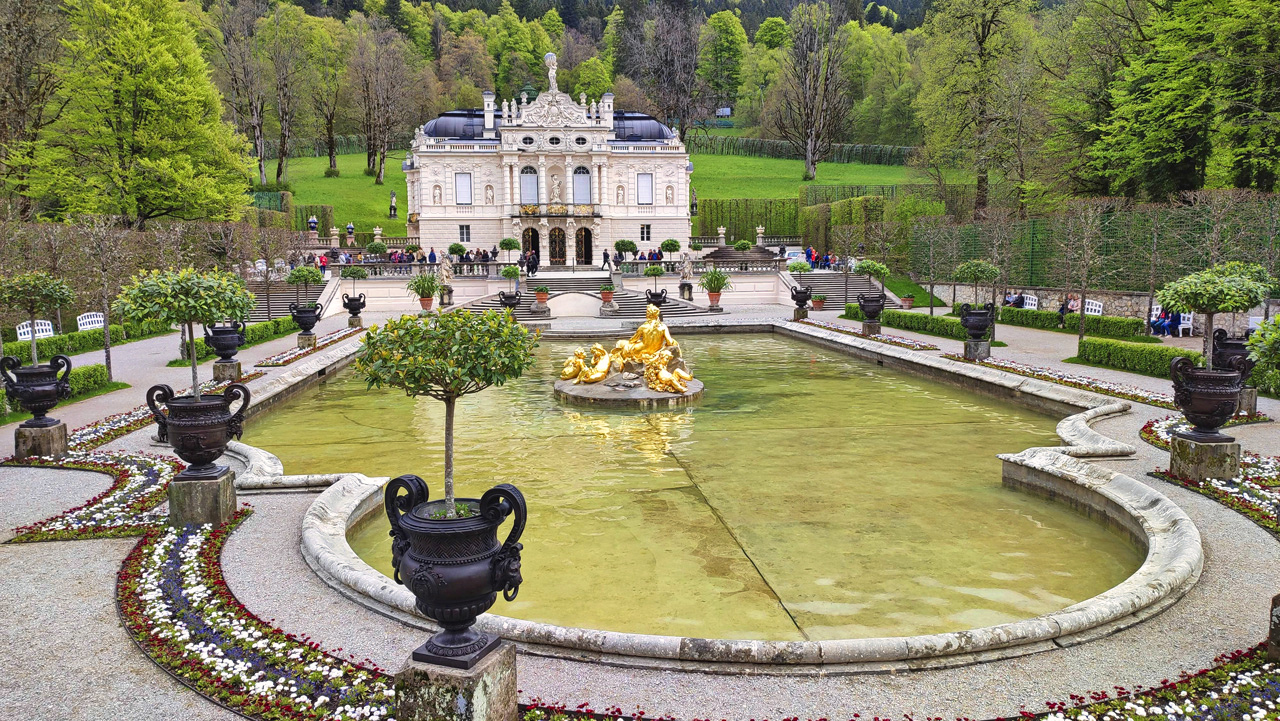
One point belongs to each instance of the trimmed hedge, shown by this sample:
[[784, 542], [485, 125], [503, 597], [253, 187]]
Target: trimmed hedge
[[740, 216], [87, 379], [817, 222], [1148, 359], [1101, 325], [940, 325], [253, 335], [83, 341]]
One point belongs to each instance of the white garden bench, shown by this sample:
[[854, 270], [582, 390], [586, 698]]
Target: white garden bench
[[1093, 307], [1031, 301], [1185, 321], [44, 329], [91, 321], [1255, 322]]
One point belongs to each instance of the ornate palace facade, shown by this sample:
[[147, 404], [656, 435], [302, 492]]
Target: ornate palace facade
[[567, 178]]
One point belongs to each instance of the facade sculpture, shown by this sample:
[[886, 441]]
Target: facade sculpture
[[650, 353]]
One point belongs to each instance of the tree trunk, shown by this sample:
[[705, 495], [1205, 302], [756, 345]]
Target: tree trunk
[[382, 164], [1208, 340], [34, 355], [331, 142], [450, 510], [106, 328], [284, 140], [980, 193], [930, 295], [191, 346], [1084, 295]]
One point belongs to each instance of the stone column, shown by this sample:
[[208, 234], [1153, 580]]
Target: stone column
[[599, 182], [1248, 402], [542, 184], [484, 692], [506, 184], [1199, 461], [1273, 639]]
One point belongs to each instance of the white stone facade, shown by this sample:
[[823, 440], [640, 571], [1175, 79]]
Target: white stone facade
[[567, 177]]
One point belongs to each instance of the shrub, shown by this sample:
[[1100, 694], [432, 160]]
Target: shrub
[[87, 379], [85, 341], [331, 172], [457, 249], [1148, 359], [670, 245], [377, 247], [542, 289], [741, 216], [1109, 326], [1264, 347], [742, 246], [940, 325], [820, 297]]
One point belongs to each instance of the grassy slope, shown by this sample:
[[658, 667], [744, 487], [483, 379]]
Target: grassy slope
[[736, 176], [353, 195]]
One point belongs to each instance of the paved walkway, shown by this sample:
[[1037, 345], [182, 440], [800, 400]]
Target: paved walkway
[[63, 631]]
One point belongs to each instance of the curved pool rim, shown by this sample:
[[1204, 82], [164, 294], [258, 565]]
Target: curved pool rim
[[1173, 562]]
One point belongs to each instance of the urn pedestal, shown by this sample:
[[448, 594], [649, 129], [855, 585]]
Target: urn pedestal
[[201, 501], [227, 371], [686, 291], [306, 341], [484, 692], [609, 310], [977, 350], [1248, 402], [799, 313], [871, 327], [1201, 460], [44, 441], [355, 321]]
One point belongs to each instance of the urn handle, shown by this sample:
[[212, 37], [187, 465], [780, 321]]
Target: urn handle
[[1178, 369], [416, 493], [238, 327], [157, 395], [237, 392], [495, 505], [63, 364], [8, 365]]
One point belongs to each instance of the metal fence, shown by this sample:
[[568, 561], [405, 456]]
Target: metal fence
[[763, 148]]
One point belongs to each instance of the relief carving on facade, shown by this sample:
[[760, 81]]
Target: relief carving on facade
[[622, 195], [488, 195], [437, 195]]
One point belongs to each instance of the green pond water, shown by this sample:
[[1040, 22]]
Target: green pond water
[[807, 496]]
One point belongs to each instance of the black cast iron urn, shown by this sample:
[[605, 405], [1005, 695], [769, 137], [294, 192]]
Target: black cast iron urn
[[1207, 398], [509, 300], [455, 566], [976, 322], [801, 296], [655, 297], [225, 340], [37, 388], [305, 317], [1227, 350], [199, 428], [353, 303], [872, 305]]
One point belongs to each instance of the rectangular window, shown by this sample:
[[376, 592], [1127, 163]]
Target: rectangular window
[[464, 234], [581, 187], [644, 188], [529, 186], [462, 188], [646, 232]]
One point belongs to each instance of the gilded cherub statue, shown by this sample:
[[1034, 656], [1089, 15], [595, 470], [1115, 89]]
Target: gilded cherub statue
[[651, 337], [661, 375], [599, 368], [573, 365]]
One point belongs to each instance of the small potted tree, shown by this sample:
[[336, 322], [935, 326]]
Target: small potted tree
[[872, 305], [377, 249], [715, 282], [197, 425], [509, 245], [447, 356], [457, 250], [306, 313], [655, 297], [354, 303], [606, 293], [800, 295], [976, 272], [625, 246], [510, 300], [669, 246], [695, 246], [542, 292], [37, 387], [425, 286]]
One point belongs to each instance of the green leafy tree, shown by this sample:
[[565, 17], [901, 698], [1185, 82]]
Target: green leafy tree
[[625, 246], [772, 33], [722, 46], [305, 276], [446, 356], [799, 267], [511, 273], [141, 134], [655, 272], [31, 293], [976, 272], [185, 297], [553, 24], [593, 78], [1224, 288], [873, 268], [1264, 348], [509, 244], [670, 245]]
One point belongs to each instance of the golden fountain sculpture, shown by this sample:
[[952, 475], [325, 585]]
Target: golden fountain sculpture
[[650, 353]]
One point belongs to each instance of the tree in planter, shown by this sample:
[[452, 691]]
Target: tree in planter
[[976, 272], [185, 297], [377, 247], [1226, 288], [511, 273], [32, 293], [799, 267], [669, 246], [354, 273], [458, 250], [446, 356], [655, 272], [509, 245], [625, 246], [305, 276], [873, 268]]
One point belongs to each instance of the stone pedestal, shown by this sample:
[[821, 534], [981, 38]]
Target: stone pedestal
[[1273, 639], [609, 310], [686, 291], [201, 502], [977, 350], [355, 321], [715, 309], [799, 314], [485, 692], [306, 341], [540, 310], [446, 296], [49, 442], [1198, 461], [227, 371], [1248, 402], [871, 327]]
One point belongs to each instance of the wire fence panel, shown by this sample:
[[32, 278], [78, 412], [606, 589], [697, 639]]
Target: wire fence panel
[[763, 148]]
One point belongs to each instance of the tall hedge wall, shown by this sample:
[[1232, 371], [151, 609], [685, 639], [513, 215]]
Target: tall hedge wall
[[740, 216], [817, 222], [323, 213]]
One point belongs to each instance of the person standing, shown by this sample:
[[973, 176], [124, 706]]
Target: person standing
[[604, 263], [431, 257], [533, 263]]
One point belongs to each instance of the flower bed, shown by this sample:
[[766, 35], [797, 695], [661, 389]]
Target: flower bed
[[1158, 432], [179, 610], [115, 426], [1106, 388], [879, 337], [128, 508], [293, 354]]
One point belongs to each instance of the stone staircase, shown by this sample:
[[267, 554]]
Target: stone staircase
[[831, 284], [281, 295], [726, 254], [631, 302]]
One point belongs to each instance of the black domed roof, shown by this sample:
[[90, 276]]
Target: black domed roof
[[469, 125], [638, 126]]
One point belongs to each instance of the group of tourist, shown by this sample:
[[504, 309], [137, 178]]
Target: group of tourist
[[1014, 299], [822, 261]]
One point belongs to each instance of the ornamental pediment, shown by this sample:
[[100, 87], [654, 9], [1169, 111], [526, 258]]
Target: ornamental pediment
[[554, 109]]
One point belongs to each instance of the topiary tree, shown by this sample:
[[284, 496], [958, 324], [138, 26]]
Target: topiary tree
[[670, 245], [655, 272], [509, 244], [376, 247], [185, 297], [1225, 288], [625, 246], [446, 356], [31, 293], [742, 246], [975, 272], [511, 273], [354, 273], [873, 268], [305, 276], [457, 249], [799, 267]]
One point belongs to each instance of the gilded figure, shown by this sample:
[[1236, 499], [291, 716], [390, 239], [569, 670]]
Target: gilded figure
[[651, 337], [573, 365], [598, 370], [660, 374]]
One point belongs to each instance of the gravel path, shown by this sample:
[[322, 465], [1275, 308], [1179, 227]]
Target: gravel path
[[63, 653]]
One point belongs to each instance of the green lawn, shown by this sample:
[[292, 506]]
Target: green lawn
[[353, 195]]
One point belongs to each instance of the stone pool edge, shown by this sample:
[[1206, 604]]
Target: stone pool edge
[[1172, 566]]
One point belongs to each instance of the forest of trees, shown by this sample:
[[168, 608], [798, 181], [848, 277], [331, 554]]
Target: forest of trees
[[1135, 98]]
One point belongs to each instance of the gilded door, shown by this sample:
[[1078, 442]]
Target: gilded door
[[583, 256], [557, 246]]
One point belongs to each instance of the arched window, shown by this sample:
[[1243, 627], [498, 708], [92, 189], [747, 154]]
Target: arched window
[[582, 185], [529, 185]]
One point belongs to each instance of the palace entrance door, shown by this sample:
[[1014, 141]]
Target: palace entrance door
[[557, 246], [583, 255], [529, 241]]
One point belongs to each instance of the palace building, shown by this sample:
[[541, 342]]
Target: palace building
[[565, 178]]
